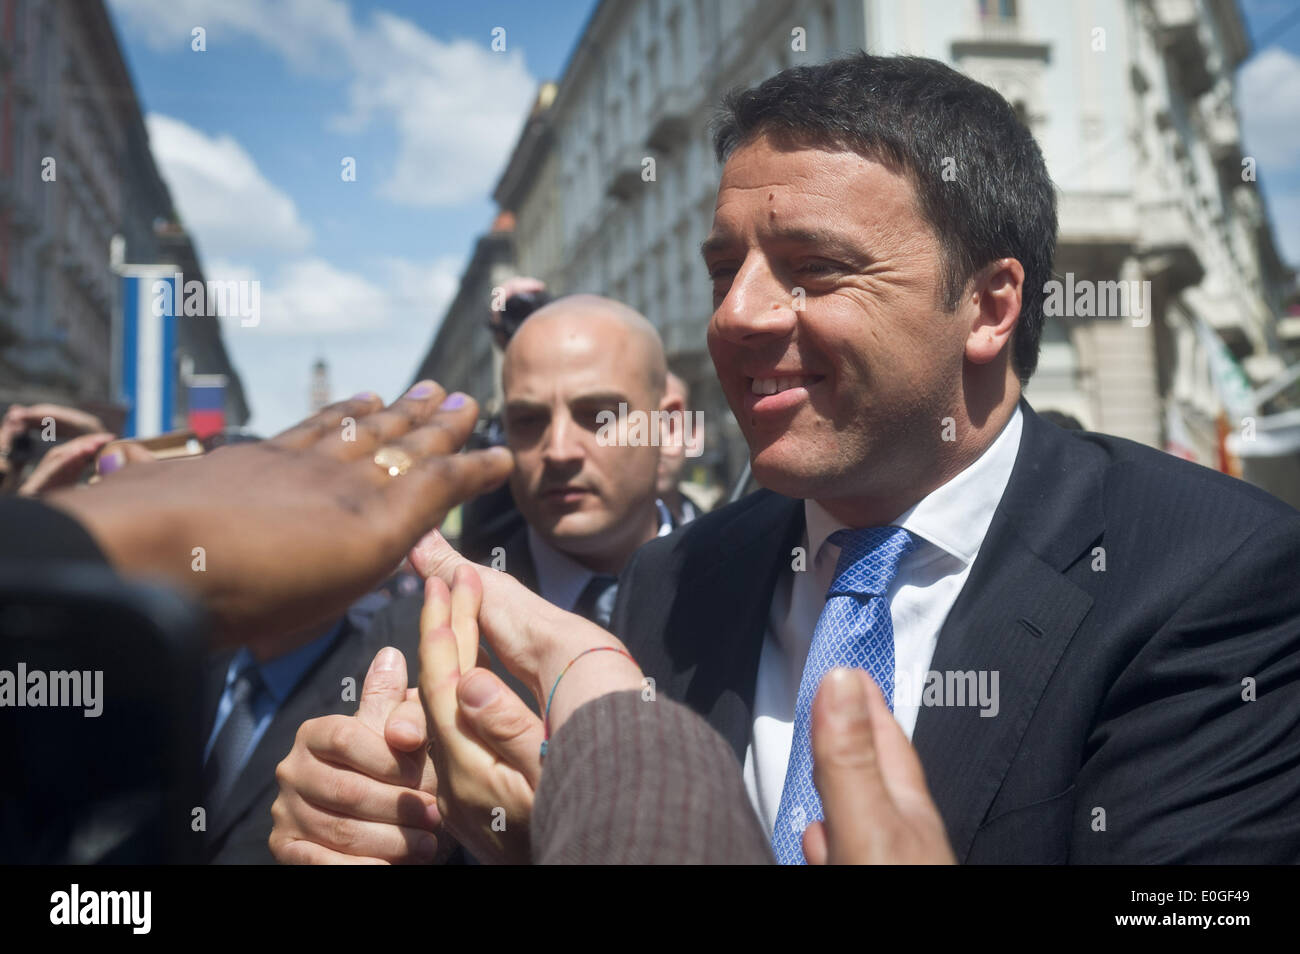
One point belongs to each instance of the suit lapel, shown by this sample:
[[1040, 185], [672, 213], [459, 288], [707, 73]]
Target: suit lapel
[[1015, 616], [715, 632], [214, 684], [318, 692]]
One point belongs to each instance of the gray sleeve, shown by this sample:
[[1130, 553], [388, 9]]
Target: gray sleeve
[[632, 782]]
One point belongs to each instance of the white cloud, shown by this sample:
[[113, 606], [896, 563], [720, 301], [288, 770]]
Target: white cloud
[[455, 107], [313, 298], [222, 196], [372, 332], [307, 33], [1269, 98]]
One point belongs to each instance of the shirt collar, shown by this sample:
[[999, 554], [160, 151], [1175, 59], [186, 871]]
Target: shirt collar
[[560, 578], [665, 518], [955, 516], [282, 674]]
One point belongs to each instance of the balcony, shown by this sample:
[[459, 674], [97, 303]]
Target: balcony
[[1096, 218], [1178, 34], [1225, 314], [625, 180], [1223, 137], [997, 36], [1165, 244], [669, 120]]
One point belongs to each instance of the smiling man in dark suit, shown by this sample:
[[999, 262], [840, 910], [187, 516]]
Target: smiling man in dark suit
[[1093, 647], [1135, 616]]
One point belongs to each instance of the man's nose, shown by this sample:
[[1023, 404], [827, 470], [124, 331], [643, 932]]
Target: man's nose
[[757, 306], [563, 441]]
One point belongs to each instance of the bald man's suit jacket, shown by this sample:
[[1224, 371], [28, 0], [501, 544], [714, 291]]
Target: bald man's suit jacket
[[1143, 614]]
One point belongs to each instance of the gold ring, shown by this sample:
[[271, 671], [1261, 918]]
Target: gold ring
[[394, 460]]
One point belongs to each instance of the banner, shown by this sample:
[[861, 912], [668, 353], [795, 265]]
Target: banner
[[146, 349]]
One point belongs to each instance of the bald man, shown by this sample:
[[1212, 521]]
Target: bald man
[[588, 503]]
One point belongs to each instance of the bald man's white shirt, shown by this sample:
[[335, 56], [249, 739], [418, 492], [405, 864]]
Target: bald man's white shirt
[[950, 524]]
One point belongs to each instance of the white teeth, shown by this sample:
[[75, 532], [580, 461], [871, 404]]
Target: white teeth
[[777, 385]]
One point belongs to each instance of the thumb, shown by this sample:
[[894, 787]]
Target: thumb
[[847, 766], [432, 555], [384, 688], [502, 721]]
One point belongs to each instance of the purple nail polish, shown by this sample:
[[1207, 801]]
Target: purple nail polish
[[421, 390], [110, 462], [453, 401], [363, 396]]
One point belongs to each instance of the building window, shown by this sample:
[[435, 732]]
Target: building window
[[997, 9]]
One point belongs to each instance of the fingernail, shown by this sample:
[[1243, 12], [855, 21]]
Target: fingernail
[[364, 396], [387, 659], [433, 815], [848, 701], [453, 401], [477, 690], [421, 390], [110, 462], [427, 847]]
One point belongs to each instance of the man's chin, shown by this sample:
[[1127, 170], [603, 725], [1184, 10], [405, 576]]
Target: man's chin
[[791, 473], [571, 530]]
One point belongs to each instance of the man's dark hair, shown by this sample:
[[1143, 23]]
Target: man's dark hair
[[911, 114]]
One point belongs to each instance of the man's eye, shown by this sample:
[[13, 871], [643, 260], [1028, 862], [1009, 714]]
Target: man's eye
[[524, 422], [721, 274], [815, 268], [590, 417]]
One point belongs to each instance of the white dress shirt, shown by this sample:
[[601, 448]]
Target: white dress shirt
[[949, 524]]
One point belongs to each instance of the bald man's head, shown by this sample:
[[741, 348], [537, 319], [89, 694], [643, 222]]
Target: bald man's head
[[596, 323], [570, 361]]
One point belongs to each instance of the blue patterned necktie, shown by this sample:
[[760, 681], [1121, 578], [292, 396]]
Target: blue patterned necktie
[[854, 630]]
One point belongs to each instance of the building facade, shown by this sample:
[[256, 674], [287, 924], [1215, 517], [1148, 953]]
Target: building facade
[[1132, 102], [462, 356], [81, 196]]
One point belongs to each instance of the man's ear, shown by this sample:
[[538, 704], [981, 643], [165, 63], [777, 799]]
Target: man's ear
[[672, 436], [997, 295]]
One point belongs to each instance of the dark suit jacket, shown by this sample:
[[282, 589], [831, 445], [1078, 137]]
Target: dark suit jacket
[[238, 832], [1122, 734]]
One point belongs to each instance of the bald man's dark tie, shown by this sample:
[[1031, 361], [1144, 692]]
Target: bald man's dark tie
[[231, 744], [596, 602]]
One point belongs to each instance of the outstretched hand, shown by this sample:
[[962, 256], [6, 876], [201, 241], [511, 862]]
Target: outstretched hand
[[280, 534]]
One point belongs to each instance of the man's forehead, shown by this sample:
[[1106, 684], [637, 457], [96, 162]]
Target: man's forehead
[[804, 194], [567, 366]]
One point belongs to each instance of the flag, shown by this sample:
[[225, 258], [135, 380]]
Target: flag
[[207, 404], [145, 339]]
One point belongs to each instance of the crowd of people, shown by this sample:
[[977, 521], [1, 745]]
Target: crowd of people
[[601, 669]]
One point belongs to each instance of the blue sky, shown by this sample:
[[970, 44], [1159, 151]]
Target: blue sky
[[250, 135]]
